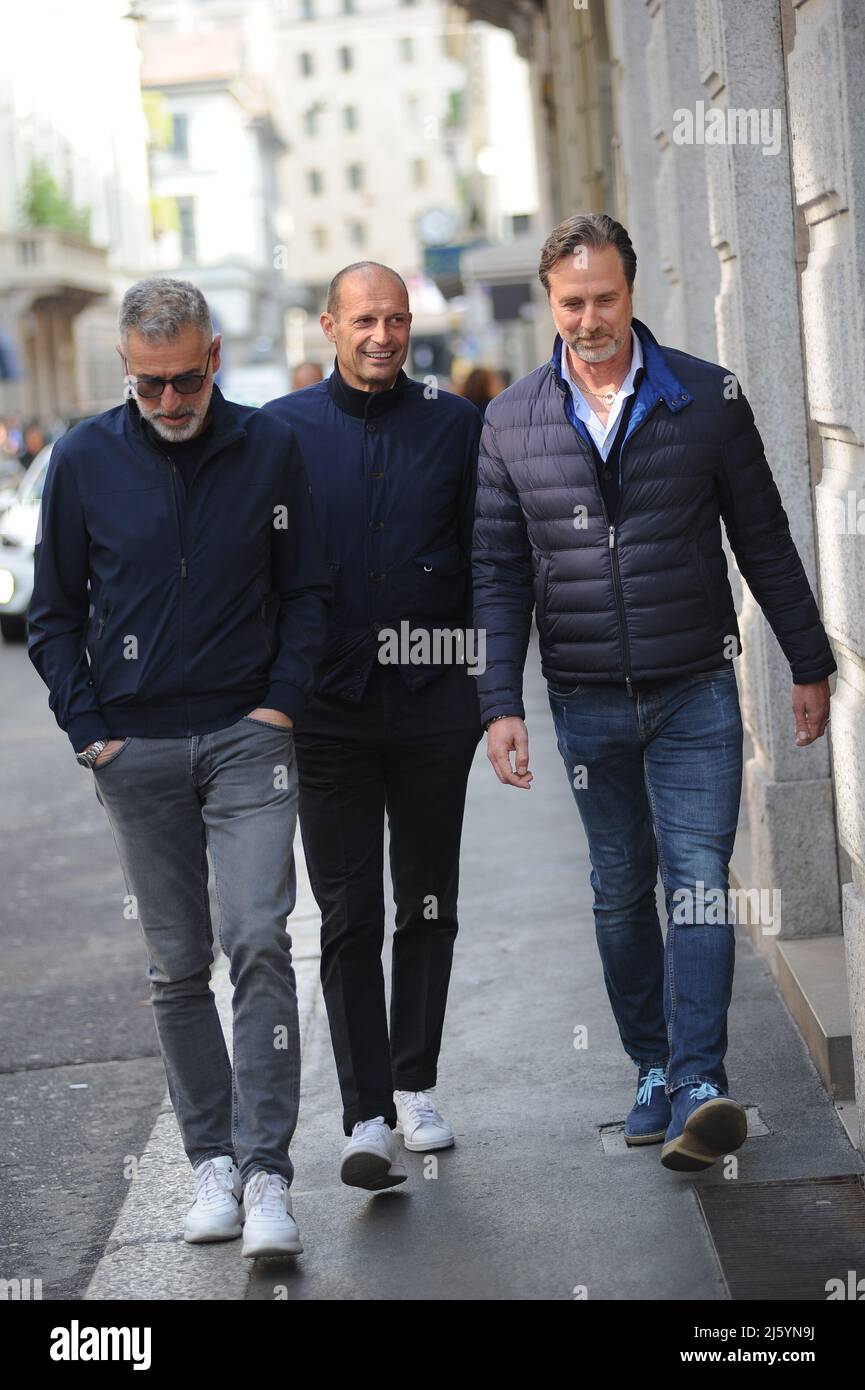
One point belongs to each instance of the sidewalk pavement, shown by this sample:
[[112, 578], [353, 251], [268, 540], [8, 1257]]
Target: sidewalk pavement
[[539, 1198]]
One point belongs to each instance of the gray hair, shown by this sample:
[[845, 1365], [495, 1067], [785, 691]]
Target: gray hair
[[594, 229], [160, 308], [366, 267]]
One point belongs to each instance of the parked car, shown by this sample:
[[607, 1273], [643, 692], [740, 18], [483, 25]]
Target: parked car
[[17, 543]]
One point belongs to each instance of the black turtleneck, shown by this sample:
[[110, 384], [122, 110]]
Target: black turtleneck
[[186, 453], [363, 404]]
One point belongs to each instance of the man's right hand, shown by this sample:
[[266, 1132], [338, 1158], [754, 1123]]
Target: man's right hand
[[111, 747], [504, 737]]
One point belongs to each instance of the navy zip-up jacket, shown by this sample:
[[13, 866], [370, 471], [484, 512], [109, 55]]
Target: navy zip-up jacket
[[646, 597], [200, 607], [393, 476]]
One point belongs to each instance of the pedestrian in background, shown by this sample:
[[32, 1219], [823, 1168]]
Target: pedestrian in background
[[306, 374], [481, 386]]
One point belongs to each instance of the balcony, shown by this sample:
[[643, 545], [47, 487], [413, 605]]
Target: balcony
[[44, 263]]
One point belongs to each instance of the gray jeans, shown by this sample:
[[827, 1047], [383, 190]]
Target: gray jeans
[[169, 800]]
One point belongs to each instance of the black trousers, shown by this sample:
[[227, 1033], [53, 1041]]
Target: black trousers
[[406, 755]]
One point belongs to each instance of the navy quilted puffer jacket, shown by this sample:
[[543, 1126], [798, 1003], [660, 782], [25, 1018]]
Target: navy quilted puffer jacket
[[648, 597]]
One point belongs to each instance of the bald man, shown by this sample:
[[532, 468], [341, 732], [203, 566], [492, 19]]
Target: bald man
[[392, 466]]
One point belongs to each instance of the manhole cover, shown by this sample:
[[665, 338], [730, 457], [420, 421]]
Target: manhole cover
[[788, 1239]]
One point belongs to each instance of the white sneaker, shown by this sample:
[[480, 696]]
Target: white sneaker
[[420, 1124], [370, 1158], [215, 1213], [270, 1228]]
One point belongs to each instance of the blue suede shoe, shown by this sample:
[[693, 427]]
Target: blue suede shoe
[[650, 1115], [705, 1125]]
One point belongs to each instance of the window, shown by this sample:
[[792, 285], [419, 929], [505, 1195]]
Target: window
[[357, 233], [354, 175], [307, 9], [314, 181], [306, 64], [319, 238], [346, 59], [411, 108], [180, 135], [310, 121], [349, 117], [418, 173], [186, 218], [348, 7], [406, 50]]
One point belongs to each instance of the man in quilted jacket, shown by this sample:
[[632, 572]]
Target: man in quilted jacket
[[603, 479]]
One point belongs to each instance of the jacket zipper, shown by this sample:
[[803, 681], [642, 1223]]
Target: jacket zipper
[[100, 628], [232, 436], [181, 541], [611, 534]]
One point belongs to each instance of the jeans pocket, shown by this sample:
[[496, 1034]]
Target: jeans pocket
[[266, 724], [564, 694], [97, 767], [718, 672]]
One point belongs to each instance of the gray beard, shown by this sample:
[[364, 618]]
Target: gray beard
[[606, 353]]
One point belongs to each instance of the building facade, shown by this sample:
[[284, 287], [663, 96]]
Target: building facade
[[216, 150], [60, 284]]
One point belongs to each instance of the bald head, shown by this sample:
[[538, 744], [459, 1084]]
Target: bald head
[[372, 273]]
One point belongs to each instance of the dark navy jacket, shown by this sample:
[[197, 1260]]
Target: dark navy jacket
[[200, 607], [648, 597], [393, 476]]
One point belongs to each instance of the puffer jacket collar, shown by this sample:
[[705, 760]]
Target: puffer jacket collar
[[659, 381]]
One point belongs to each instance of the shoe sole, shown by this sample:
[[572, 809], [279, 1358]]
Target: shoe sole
[[633, 1139], [210, 1237], [371, 1171], [715, 1128], [423, 1148], [272, 1248]]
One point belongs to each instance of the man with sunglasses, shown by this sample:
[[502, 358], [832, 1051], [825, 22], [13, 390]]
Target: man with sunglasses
[[178, 618]]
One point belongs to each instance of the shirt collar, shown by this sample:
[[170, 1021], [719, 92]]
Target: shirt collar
[[627, 385]]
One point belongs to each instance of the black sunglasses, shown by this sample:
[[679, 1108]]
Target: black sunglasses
[[150, 387]]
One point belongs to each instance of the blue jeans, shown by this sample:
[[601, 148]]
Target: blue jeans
[[169, 800], [663, 777]]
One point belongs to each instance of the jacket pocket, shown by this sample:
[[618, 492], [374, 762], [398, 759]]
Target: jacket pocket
[[541, 582], [439, 582], [267, 611], [710, 591], [96, 646]]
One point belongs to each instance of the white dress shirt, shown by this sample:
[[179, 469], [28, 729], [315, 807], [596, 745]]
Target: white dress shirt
[[603, 435]]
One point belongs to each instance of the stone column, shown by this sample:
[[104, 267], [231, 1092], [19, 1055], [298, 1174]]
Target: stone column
[[636, 155], [827, 121], [681, 211], [789, 790]]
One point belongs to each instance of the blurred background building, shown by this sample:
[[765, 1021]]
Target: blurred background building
[[74, 200]]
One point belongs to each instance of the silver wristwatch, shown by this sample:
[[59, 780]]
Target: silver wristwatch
[[91, 752]]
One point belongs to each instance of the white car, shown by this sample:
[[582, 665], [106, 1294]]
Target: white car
[[17, 542]]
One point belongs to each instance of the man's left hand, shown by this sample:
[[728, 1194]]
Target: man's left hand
[[273, 716], [811, 711]]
